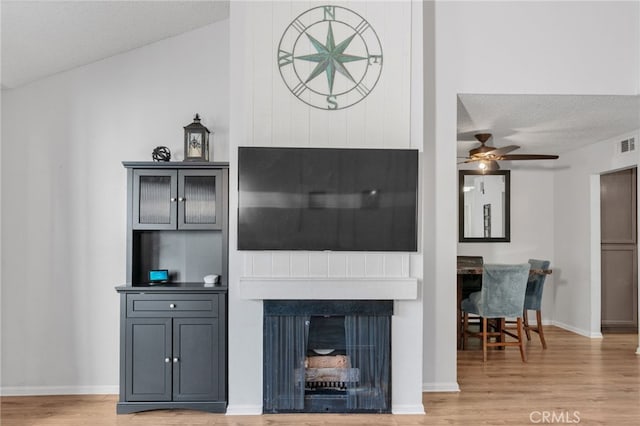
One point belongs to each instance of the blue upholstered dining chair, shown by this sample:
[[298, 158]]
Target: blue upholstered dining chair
[[502, 296], [533, 299]]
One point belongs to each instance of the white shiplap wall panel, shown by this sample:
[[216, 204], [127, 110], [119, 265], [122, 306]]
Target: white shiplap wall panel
[[415, 264], [299, 264], [326, 264], [406, 265], [319, 123], [300, 112], [277, 118], [247, 94], [356, 265], [337, 265], [374, 265], [264, 54], [337, 128], [375, 106], [318, 264], [247, 264], [280, 264], [393, 265], [299, 119], [357, 120], [262, 263], [396, 129], [282, 103]]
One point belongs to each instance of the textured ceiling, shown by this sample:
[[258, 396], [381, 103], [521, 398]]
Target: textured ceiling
[[41, 38], [545, 124]]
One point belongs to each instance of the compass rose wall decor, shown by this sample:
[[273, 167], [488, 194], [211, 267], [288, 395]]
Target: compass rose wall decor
[[330, 57]]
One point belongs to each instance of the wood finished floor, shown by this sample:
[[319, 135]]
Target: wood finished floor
[[575, 381]]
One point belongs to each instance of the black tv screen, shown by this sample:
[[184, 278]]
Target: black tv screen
[[327, 199]]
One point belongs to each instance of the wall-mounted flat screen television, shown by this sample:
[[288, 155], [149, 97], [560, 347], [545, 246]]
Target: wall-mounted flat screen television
[[327, 199]]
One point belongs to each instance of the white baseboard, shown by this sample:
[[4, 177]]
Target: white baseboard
[[244, 410], [58, 390], [580, 331], [440, 387], [638, 351], [407, 409]]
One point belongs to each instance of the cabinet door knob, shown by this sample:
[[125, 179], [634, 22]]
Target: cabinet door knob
[[182, 199], [172, 306], [173, 199], [175, 360], [167, 360]]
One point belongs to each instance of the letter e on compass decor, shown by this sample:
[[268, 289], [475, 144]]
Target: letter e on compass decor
[[330, 57]]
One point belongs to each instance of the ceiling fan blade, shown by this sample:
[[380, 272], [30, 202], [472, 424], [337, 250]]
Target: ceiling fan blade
[[491, 153], [502, 150], [528, 157]]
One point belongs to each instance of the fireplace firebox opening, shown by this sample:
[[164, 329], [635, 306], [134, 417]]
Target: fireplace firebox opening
[[327, 356]]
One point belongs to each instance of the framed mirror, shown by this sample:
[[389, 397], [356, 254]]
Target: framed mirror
[[484, 206]]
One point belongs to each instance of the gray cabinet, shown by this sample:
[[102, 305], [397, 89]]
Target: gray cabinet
[[177, 219], [173, 335], [177, 199], [148, 359], [173, 349], [196, 369]]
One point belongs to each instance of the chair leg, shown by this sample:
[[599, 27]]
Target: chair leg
[[540, 331], [520, 340], [484, 339], [525, 318]]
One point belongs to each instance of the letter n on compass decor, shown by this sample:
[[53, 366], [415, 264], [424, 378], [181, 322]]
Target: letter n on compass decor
[[330, 57]]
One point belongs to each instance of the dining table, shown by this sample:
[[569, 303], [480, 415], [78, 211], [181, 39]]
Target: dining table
[[466, 269]]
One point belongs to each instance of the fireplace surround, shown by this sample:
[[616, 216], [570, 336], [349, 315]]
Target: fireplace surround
[[327, 356]]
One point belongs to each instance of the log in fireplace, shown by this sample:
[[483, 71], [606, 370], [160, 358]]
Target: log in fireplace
[[327, 356]]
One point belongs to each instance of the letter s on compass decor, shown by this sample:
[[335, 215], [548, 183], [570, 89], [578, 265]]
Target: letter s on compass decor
[[330, 57]]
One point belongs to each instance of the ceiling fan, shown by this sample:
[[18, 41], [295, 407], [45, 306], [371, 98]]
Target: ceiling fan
[[488, 156]]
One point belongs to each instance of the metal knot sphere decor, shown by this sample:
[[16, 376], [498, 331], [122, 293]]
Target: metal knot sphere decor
[[161, 153]]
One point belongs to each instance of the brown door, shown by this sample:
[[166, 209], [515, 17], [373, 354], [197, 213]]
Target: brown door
[[619, 251]]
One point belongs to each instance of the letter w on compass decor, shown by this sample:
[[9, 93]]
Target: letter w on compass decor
[[336, 73]]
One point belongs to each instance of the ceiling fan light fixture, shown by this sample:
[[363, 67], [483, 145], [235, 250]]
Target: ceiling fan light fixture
[[488, 166]]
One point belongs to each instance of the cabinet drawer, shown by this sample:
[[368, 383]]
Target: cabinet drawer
[[172, 305]]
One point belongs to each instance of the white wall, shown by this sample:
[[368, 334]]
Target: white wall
[[63, 141], [518, 48], [532, 225], [577, 223], [265, 113], [440, 200]]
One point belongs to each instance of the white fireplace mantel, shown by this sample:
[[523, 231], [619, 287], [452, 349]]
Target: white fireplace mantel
[[328, 288]]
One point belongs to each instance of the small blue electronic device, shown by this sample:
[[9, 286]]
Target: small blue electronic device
[[158, 276]]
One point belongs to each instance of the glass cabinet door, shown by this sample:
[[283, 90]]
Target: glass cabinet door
[[154, 199], [199, 199]]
